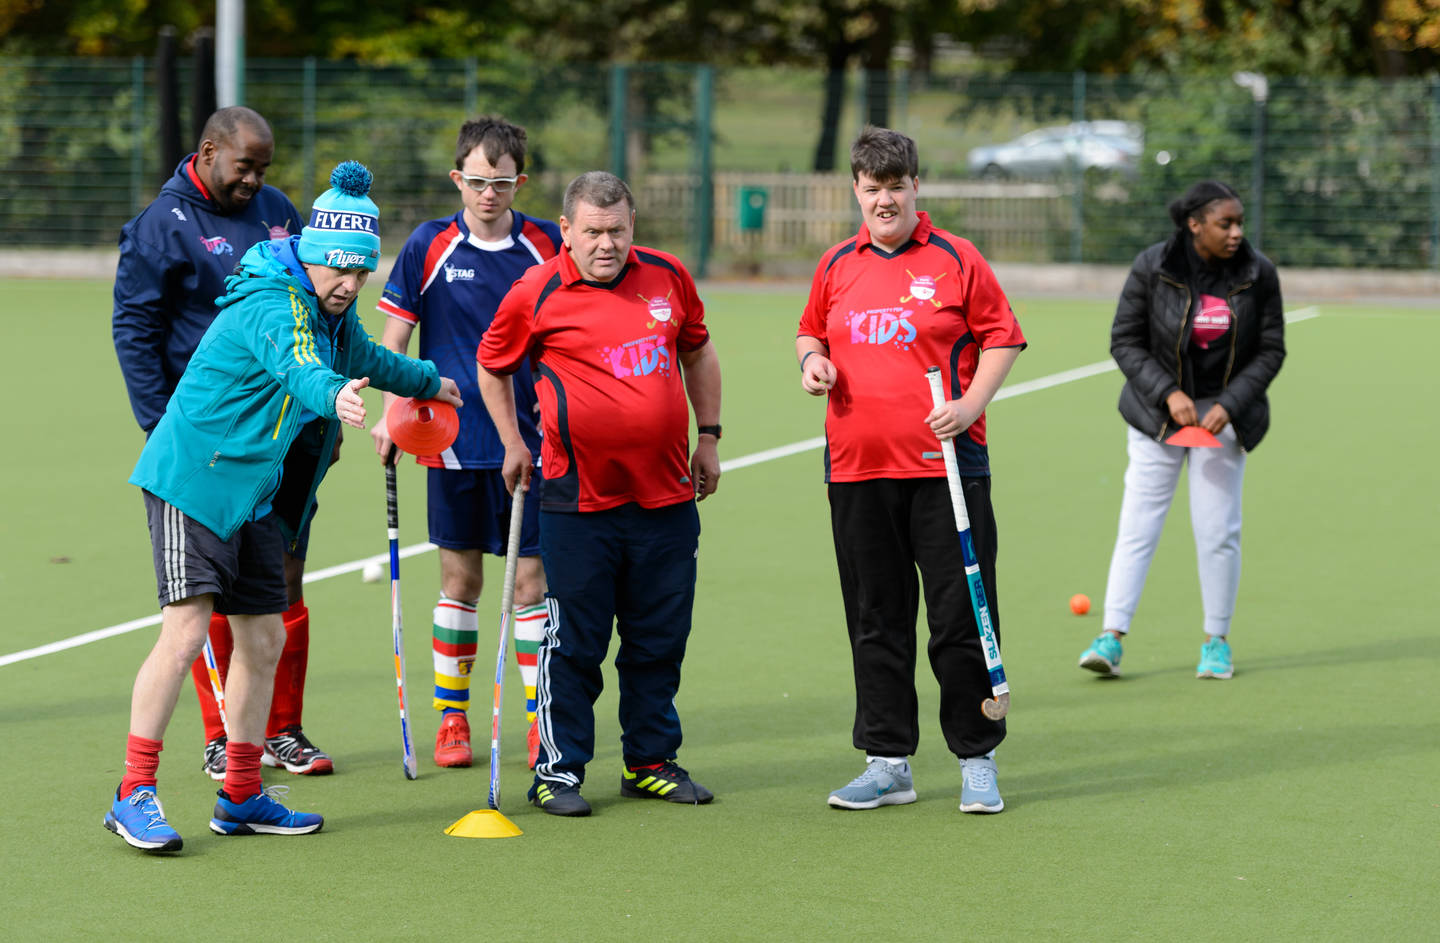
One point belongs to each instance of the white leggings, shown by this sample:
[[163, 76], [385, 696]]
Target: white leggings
[[1216, 477]]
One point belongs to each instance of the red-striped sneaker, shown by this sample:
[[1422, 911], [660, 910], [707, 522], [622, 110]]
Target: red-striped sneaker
[[292, 750], [214, 765], [452, 741]]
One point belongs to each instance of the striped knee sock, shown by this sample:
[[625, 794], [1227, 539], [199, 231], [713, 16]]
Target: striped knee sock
[[529, 632], [457, 630]]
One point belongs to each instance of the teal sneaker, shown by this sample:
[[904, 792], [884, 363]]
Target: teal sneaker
[[1103, 656], [978, 789], [1215, 661], [882, 783]]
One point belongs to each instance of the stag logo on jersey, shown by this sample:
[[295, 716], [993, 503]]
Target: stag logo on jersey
[[217, 245], [922, 288], [882, 326], [454, 273], [178, 215], [638, 358], [660, 309]]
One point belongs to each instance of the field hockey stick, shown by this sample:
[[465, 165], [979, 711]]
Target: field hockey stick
[[397, 621], [507, 600], [997, 706], [216, 688]]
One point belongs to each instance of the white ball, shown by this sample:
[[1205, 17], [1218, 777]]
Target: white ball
[[374, 572]]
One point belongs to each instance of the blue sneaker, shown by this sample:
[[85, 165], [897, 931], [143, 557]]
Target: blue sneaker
[[261, 814], [882, 783], [139, 819], [978, 790], [1103, 656], [1215, 661]]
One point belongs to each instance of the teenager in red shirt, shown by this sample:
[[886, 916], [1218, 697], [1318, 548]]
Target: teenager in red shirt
[[616, 335], [897, 298]]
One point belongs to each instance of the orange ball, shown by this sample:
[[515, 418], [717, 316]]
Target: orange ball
[[1079, 604]]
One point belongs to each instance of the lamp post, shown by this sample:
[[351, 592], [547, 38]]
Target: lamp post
[[1259, 87]]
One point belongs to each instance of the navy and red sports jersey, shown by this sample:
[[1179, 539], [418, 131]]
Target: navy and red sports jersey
[[606, 357], [887, 317], [450, 282]]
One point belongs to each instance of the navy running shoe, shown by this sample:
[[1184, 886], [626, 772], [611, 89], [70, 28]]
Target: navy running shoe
[[261, 814]]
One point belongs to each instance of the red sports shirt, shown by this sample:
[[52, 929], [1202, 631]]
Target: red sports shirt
[[886, 318], [614, 419]]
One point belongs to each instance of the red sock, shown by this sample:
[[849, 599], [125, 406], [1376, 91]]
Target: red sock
[[636, 769], [242, 770], [222, 644], [288, 701], [142, 759]]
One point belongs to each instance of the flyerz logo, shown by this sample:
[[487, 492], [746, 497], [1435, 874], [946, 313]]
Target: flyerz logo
[[345, 222], [344, 258]]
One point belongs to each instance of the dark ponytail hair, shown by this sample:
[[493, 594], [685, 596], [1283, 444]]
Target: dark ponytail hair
[[1199, 196]]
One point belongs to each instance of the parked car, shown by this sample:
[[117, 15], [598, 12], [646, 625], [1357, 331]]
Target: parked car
[[1110, 146]]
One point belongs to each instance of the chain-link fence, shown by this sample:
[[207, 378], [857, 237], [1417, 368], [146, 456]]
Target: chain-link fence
[[1033, 168]]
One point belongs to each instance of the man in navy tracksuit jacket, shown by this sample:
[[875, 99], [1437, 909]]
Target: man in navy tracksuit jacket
[[174, 259]]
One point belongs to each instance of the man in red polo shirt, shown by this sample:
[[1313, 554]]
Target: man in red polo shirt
[[899, 297], [616, 334]]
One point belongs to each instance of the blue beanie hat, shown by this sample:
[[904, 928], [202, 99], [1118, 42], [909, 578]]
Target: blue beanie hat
[[344, 230]]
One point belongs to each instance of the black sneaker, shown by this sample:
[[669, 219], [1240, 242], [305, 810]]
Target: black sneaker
[[291, 749], [559, 799], [214, 765], [666, 781]]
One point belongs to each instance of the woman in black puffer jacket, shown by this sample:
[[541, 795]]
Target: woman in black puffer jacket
[[1199, 334]]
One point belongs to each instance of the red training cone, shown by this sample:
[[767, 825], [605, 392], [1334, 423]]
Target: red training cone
[[1193, 437], [422, 426]]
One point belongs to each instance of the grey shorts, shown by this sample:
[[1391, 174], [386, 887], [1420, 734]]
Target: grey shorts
[[246, 573]]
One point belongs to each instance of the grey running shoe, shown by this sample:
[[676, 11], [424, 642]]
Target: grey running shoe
[[978, 790], [882, 783]]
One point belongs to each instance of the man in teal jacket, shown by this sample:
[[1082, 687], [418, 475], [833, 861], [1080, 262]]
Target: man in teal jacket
[[286, 348]]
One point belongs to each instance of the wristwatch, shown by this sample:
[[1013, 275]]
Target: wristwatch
[[709, 430]]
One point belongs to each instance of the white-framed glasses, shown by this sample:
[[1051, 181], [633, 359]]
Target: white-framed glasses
[[499, 184]]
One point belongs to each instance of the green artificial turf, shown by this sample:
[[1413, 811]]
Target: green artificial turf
[[1297, 801]]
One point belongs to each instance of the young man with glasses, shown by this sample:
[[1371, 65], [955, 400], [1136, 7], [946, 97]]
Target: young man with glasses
[[450, 278]]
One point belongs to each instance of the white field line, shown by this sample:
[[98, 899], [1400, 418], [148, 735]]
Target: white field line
[[754, 458]]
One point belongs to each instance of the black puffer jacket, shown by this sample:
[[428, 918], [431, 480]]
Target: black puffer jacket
[[1150, 339]]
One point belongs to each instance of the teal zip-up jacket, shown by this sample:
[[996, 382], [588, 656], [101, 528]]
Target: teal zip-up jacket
[[216, 453]]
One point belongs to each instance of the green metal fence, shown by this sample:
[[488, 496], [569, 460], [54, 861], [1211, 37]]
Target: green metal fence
[[1334, 173]]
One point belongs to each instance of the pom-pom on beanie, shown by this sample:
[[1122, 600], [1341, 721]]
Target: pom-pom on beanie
[[344, 230]]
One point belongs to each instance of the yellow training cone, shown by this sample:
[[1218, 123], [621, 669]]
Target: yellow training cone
[[484, 823]]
